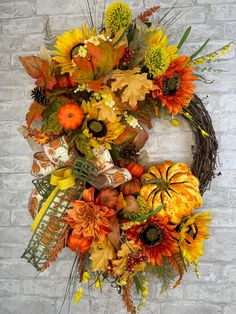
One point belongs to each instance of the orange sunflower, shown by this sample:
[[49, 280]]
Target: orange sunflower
[[89, 220], [175, 87], [70, 116], [155, 237]]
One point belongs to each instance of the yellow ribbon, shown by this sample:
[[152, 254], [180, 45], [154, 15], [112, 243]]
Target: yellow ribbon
[[63, 179]]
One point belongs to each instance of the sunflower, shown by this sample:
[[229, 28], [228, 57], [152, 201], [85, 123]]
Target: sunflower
[[89, 220], [193, 231], [158, 58], [98, 132], [175, 87], [70, 44], [156, 238]]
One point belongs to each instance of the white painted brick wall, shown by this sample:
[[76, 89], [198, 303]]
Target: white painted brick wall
[[21, 32]]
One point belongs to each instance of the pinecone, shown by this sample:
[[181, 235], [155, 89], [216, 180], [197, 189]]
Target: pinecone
[[129, 152], [38, 95]]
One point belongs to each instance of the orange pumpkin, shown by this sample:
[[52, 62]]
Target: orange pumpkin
[[78, 245], [135, 169], [174, 185], [132, 187]]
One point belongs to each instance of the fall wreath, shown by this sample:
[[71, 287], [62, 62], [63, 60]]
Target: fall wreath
[[95, 95]]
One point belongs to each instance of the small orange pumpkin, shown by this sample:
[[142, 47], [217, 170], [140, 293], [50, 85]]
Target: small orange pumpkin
[[78, 245], [135, 169], [132, 187]]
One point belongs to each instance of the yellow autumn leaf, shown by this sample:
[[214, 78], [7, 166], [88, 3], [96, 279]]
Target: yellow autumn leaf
[[119, 265], [135, 84], [101, 252]]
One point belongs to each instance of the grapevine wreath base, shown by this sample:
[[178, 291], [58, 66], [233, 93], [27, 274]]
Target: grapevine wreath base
[[95, 95]]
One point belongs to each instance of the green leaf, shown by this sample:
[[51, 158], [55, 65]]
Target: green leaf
[[51, 124], [184, 37], [199, 50], [147, 216], [137, 284], [82, 144]]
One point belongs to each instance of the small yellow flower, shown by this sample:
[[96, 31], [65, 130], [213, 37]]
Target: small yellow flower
[[78, 295], [82, 51], [93, 40], [145, 292], [188, 115], [122, 282], [175, 122], [131, 120], [86, 276], [204, 134]]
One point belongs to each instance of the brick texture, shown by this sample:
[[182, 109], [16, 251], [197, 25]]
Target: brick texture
[[21, 290]]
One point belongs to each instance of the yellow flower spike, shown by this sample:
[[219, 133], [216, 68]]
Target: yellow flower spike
[[98, 283], [188, 115], [145, 292], [78, 295], [122, 282], [86, 276], [204, 134], [175, 122]]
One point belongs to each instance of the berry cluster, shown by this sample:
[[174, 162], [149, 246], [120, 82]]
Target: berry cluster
[[135, 259], [126, 57]]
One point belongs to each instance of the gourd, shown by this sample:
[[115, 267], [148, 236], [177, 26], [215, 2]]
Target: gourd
[[78, 245], [135, 169], [174, 186], [132, 187]]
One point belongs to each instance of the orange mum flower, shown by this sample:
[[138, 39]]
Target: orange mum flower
[[89, 220], [175, 87], [156, 238], [70, 116], [41, 137]]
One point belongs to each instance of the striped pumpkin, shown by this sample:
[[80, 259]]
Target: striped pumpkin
[[174, 185]]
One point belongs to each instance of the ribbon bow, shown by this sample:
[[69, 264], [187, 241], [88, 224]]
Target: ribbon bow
[[62, 179]]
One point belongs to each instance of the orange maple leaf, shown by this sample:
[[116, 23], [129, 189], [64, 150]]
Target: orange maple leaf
[[32, 65], [134, 84], [105, 57], [34, 113], [39, 69]]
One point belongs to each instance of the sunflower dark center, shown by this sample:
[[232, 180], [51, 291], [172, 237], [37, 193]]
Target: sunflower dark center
[[75, 50], [97, 127], [171, 85], [151, 236], [193, 231]]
